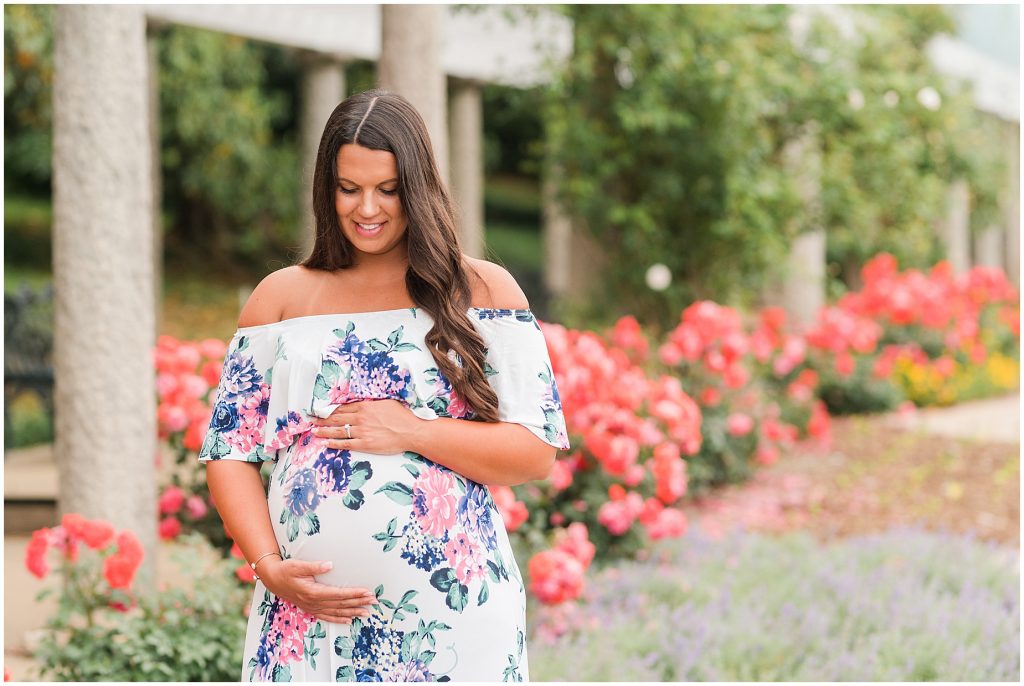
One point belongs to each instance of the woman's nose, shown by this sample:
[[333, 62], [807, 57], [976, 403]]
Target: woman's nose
[[368, 205]]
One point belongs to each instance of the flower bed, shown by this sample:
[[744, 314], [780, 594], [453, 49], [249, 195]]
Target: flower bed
[[104, 630], [655, 420], [902, 606]]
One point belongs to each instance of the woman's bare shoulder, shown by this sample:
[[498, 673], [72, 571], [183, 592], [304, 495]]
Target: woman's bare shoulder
[[266, 303], [492, 286]]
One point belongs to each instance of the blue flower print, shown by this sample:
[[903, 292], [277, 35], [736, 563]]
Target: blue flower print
[[475, 514], [303, 496], [334, 469]]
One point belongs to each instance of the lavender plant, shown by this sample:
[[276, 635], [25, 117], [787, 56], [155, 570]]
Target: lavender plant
[[906, 605]]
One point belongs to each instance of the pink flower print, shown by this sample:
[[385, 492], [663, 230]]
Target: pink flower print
[[306, 448], [339, 394], [434, 501], [288, 426], [457, 407], [465, 559], [252, 416], [289, 627]]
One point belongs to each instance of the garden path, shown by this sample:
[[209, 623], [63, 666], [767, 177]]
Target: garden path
[[953, 469]]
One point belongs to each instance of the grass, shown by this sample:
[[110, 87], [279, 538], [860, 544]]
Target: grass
[[515, 245]]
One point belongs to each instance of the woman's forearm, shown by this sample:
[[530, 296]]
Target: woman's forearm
[[497, 454], [238, 494]]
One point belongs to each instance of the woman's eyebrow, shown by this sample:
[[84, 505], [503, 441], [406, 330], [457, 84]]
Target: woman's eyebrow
[[342, 178]]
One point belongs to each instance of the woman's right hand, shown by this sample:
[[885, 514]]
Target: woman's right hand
[[294, 581]]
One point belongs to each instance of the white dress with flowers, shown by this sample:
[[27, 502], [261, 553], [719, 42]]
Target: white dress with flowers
[[428, 541]]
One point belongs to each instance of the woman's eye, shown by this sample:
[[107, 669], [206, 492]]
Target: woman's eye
[[346, 191], [389, 191]]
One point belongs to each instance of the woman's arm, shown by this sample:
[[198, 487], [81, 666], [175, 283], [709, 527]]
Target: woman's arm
[[496, 454], [492, 453]]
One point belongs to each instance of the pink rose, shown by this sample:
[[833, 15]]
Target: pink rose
[[670, 523], [171, 500], [196, 507], [614, 515], [169, 528], [213, 349], [739, 424], [576, 541], [560, 476], [555, 576]]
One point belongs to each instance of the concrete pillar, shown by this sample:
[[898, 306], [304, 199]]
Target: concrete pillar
[[587, 260], [558, 234], [1012, 205], [467, 164], [153, 31], [103, 270], [803, 291], [988, 247], [955, 229], [410, 65], [323, 87]]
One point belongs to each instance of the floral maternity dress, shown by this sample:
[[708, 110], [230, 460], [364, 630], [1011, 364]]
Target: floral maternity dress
[[428, 541]]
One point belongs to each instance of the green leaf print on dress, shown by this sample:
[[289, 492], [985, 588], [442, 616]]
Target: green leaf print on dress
[[379, 651], [450, 532]]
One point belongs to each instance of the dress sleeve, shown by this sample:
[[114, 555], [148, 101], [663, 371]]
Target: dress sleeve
[[240, 405], [518, 367]]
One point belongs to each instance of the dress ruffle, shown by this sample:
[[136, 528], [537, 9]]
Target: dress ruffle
[[278, 377]]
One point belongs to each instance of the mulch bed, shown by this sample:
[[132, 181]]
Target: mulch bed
[[872, 478]]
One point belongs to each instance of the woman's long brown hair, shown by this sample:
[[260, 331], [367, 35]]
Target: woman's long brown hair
[[436, 278]]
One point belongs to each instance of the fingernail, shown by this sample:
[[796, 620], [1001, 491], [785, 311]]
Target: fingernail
[[327, 566]]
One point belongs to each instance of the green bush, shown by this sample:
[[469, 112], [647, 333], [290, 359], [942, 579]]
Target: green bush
[[173, 635], [859, 393], [669, 123]]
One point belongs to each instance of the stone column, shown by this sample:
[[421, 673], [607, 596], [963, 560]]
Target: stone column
[[558, 234], [955, 229], [410, 65], [988, 247], [323, 87], [467, 164], [103, 270], [1012, 206], [153, 31], [803, 291]]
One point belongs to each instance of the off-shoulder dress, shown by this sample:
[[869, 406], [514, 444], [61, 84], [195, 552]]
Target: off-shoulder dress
[[430, 542]]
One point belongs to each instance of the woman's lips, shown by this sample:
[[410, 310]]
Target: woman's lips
[[369, 229]]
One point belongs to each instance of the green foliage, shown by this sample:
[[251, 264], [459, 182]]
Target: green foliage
[[222, 161], [28, 80], [858, 393], [173, 635], [894, 134], [227, 131], [669, 124]]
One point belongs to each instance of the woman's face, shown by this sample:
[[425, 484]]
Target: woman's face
[[369, 209]]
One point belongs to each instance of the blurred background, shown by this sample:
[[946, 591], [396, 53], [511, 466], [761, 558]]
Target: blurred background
[[653, 176]]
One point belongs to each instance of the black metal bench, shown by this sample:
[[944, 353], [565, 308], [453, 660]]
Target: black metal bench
[[28, 350]]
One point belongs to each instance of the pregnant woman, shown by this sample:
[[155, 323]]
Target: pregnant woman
[[390, 379]]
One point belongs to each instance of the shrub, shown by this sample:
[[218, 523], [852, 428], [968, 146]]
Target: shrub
[[105, 632]]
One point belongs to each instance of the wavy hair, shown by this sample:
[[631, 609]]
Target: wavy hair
[[436, 277]]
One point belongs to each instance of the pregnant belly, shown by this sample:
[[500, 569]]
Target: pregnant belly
[[379, 518]]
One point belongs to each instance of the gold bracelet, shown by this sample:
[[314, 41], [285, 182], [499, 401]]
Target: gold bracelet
[[253, 564]]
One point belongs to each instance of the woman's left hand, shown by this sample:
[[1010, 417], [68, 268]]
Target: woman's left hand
[[382, 427]]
